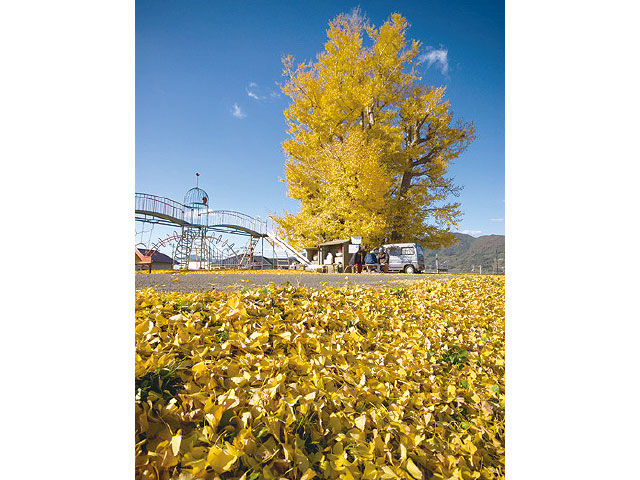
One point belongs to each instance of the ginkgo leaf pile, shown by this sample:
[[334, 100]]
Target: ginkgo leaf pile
[[349, 383]]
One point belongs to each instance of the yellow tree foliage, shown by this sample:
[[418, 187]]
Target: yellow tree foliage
[[348, 177], [369, 146]]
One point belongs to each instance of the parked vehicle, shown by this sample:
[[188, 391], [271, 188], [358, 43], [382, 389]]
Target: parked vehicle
[[405, 257]]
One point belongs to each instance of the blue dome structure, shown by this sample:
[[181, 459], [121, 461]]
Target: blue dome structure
[[196, 198]]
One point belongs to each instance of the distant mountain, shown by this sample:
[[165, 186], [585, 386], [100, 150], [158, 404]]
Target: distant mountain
[[468, 254]]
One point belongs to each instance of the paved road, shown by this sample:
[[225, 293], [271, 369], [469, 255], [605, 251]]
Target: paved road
[[204, 282]]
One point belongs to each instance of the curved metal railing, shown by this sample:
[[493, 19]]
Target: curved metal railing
[[159, 205], [167, 208], [233, 219]]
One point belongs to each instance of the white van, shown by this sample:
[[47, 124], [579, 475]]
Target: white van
[[405, 257]]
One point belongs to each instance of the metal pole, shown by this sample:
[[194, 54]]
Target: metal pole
[[251, 253]]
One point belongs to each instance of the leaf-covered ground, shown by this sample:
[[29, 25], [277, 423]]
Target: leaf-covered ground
[[231, 271], [350, 383]]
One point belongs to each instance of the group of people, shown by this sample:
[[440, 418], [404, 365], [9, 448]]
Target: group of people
[[378, 256]]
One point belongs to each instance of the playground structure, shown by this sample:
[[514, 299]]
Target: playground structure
[[199, 242]]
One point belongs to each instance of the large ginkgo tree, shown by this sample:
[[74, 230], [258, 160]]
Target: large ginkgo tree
[[368, 144]]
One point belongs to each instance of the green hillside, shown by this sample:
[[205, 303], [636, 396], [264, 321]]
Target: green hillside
[[468, 254]]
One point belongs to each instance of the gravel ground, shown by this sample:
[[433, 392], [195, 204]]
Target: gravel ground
[[204, 282]]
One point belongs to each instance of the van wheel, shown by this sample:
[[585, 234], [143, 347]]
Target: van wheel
[[409, 269]]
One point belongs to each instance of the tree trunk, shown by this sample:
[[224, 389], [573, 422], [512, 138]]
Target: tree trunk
[[404, 187], [405, 183]]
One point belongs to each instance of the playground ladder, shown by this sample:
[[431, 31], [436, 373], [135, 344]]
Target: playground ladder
[[183, 248], [249, 251], [283, 262]]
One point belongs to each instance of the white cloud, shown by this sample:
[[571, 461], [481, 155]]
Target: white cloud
[[473, 233], [497, 219], [437, 56], [237, 111], [252, 91], [258, 93]]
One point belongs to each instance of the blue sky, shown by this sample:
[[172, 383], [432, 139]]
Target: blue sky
[[207, 99]]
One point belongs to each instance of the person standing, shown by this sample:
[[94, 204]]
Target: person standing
[[358, 259], [383, 260]]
